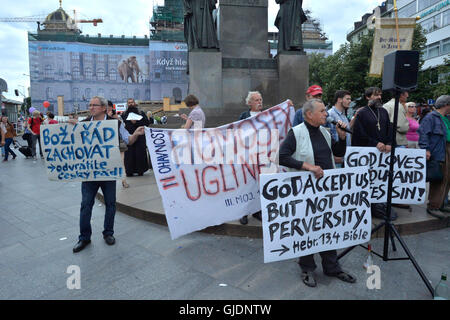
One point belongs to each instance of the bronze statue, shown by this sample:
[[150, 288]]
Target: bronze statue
[[289, 22], [199, 27]]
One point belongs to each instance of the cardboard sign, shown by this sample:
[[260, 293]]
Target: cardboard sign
[[302, 215], [210, 176], [87, 151], [409, 184], [121, 107]]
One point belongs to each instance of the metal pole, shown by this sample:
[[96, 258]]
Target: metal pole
[[387, 229], [414, 262], [396, 24]]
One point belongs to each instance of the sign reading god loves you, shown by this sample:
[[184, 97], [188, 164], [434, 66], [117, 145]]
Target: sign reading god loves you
[[87, 151], [210, 176], [302, 215], [409, 173]]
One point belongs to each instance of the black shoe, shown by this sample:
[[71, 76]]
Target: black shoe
[[81, 245], [110, 240], [257, 216], [243, 220], [309, 279], [436, 213]]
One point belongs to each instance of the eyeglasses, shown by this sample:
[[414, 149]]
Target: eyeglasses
[[95, 105]]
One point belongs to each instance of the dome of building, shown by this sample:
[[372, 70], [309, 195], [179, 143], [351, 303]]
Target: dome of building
[[59, 21], [57, 16]]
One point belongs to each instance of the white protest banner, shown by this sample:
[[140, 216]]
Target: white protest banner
[[302, 215], [210, 176], [409, 173], [86, 151]]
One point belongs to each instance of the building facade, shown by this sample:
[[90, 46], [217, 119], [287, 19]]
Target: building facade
[[434, 18]]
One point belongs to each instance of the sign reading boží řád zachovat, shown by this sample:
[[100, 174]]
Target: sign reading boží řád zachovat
[[86, 151]]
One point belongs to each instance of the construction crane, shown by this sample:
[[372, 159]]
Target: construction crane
[[41, 19]]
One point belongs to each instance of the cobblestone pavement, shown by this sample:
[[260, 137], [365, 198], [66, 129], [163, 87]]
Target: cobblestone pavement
[[39, 227]]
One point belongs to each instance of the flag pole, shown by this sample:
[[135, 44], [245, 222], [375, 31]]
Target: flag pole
[[396, 24]]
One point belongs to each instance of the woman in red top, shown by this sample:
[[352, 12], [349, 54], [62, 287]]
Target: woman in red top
[[34, 125]]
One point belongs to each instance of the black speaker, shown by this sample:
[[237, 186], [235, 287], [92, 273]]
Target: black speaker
[[400, 70]]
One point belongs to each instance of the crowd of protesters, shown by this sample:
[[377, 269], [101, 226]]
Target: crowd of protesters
[[316, 142]]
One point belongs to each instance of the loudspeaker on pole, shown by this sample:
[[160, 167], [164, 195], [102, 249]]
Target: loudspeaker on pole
[[400, 70]]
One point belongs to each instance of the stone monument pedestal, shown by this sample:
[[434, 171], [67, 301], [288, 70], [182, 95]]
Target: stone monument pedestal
[[205, 78], [293, 77], [222, 80]]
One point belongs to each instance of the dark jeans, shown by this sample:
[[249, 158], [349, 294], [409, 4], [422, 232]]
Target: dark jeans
[[8, 150], [330, 264], [88, 191], [36, 138]]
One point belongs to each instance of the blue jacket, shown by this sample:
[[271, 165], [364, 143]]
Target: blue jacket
[[298, 118], [245, 115], [433, 135]]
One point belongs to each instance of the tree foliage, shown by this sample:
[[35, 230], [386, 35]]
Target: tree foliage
[[348, 68]]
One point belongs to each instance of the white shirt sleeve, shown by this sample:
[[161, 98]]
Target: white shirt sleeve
[[124, 133]]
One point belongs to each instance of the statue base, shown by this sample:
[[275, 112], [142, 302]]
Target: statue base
[[205, 78], [293, 71]]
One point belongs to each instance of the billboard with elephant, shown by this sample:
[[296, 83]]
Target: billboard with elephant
[[79, 71]]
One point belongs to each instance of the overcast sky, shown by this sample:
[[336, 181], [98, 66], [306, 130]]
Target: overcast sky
[[131, 18]]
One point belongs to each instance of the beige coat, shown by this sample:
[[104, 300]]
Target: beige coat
[[402, 121]]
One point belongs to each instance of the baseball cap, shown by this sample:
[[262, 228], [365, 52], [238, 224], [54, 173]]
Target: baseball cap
[[314, 90]]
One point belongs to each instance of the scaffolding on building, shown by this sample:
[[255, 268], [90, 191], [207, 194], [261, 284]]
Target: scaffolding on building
[[167, 21]]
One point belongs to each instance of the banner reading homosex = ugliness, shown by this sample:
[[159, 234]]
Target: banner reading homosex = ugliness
[[302, 215], [210, 176], [86, 151]]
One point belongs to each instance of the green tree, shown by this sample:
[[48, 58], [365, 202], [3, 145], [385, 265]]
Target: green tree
[[348, 68], [26, 105]]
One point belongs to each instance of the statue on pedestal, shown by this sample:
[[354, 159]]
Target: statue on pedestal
[[199, 26], [289, 22]]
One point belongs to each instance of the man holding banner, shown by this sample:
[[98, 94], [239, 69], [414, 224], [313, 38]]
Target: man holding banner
[[309, 147], [97, 108]]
